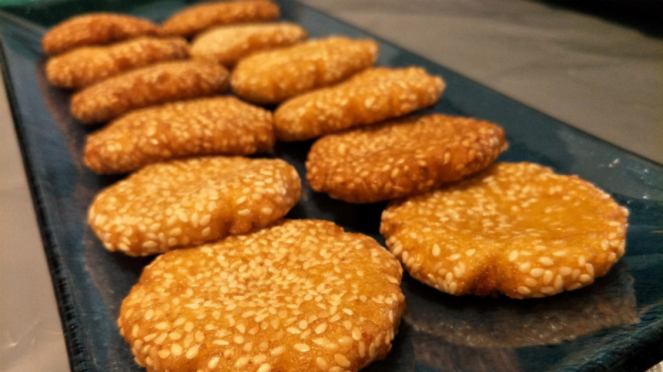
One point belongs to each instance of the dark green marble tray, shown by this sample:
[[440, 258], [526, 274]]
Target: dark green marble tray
[[614, 325]]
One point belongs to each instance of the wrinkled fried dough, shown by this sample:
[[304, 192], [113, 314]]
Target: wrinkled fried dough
[[147, 86], [207, 126], [368, 97], [197, 18], [302, 295], [228, 44], [87, 65], [188, 202], [94, 29], [516, 228], [274, 76], [401, 157]]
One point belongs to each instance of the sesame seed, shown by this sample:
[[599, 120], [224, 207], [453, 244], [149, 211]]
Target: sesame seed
[[241, 362], [213, 363], [536, 272], [265, 367], [342, 360], [547, 261], [192, 352], [302, 347], [322, 363], [513, 256]]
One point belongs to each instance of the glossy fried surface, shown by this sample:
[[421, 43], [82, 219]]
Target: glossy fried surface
[[147, 86], [94, 29], [228, 44], [87, 65], [401, 157], [188, 202], [368, 97], [299, 296], [275, 76], [197, 18], [206, 126], [515, 228]]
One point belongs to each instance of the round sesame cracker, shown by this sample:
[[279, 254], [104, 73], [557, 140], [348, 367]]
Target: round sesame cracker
[[401, 157], [370, 96], [151, 85], [94, 29], [302, 295], [515, 228], [206, 126], [228, 44], [188, 202], [274, 76], [197, 18], [87, 65]]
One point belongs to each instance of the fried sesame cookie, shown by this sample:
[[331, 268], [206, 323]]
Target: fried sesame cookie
[[368, 97], [147, 86], [206, 126], [515, 228], [197, 18], [88, 65], [228, 44], [401, 157], [94, 29], [188, 202], [275, 76], [302, 295]]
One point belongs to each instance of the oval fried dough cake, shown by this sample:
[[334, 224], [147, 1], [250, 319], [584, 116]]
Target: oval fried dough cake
[[88, 65], [206, 126], [302, 295], [94, 29], [228, 44], [274, 76], [368, 97], [188, 202], [197, 18], [516, 228], [401, 157], [147, 86]]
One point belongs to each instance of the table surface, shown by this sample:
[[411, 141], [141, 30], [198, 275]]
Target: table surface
[[603, 78]]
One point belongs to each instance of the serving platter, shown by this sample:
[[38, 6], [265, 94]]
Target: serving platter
[[615, 324]]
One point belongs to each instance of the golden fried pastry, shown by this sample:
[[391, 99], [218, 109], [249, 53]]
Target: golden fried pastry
[[206, 126], [401, 157], [274, 76], [228, 44], [302, 295], [88, 65], [94, 29], [368, 97], [197, 18], [516, 228], [188, 202], [147, 86]]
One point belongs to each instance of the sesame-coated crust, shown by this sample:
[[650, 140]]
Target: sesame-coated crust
[[228, 44], [401, 157], [275, 76], [147, 86], [206, 126], [197, 18], [88, 65], [299, 296], [181, 203], [515, 228], [368, 97], [94, 29]]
